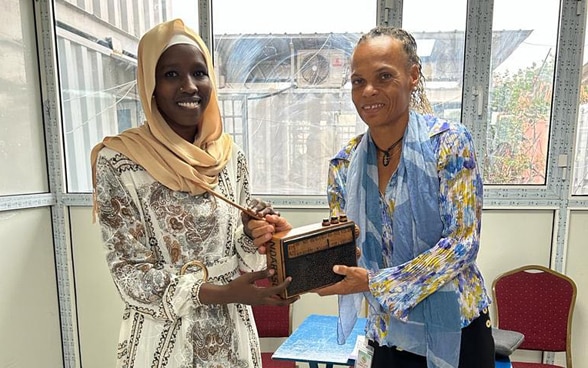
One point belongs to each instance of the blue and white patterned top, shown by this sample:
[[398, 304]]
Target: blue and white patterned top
[[451, 261]]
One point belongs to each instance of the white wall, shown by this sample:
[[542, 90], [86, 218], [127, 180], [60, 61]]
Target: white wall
[[577, 255], [29, 315], [510, 238], [99, 306]]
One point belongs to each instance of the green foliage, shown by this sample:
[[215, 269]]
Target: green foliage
[[517, 135], [583, 94]]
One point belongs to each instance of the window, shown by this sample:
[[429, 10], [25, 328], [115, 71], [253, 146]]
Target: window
[[521, 88], [283, 86], [580, 180], [283, 81], [439, 30], [97, 70], [22, 145]]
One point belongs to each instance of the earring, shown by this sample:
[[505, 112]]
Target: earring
[[181, 89]]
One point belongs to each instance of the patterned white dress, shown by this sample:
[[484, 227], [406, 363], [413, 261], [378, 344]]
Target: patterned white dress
[[150, 232]]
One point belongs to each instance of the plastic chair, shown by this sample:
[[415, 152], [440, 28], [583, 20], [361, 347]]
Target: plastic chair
[[273, 321], [539, 303]]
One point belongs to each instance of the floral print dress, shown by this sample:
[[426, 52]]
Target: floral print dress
[[150, 232], [452, 260]]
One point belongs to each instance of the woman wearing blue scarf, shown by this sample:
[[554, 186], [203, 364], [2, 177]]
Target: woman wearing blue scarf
[[412, 185]]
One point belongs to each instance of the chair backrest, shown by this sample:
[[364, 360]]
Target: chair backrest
[[272, 321], [539, 303]]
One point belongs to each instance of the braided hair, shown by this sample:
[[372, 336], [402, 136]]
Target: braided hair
[[418, 101]]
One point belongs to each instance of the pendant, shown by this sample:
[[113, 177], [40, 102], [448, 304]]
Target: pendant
[[386, 159]]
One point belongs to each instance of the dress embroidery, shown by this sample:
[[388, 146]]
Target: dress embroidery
[[150, 232]]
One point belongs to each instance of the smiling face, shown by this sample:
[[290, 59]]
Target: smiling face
[[382, 81], [182, 89]]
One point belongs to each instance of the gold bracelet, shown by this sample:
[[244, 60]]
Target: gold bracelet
[[198, 264]]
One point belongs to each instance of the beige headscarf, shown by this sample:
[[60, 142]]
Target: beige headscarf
[[171, 160]]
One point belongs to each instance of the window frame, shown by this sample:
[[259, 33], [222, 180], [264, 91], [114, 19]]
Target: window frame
[[475, 103]]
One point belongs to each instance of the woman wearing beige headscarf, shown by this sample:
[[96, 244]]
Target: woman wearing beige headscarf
[[176, 252]]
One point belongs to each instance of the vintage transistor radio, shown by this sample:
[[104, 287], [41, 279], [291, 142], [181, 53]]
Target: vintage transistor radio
[[308, 254]]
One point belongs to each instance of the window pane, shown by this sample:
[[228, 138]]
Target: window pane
[[22, 145], [439, 30], [283, 86], [97, 66], [523, 58], [580, 182]]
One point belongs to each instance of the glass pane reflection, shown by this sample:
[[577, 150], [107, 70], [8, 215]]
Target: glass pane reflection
[[580, 180], [439, 30], [97, 45], [283, 86], [521, 91], [22, 144]]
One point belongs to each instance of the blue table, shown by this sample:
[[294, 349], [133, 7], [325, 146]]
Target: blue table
[[315, 342]]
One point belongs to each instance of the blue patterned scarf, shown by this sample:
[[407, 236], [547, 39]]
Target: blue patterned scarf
[[433, 328]]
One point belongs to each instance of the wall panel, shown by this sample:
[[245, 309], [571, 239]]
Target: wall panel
[[577, 254], [513, 238], [99, 305], [29, 314]]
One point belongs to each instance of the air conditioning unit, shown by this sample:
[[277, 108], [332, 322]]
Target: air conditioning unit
[[321, 68]]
